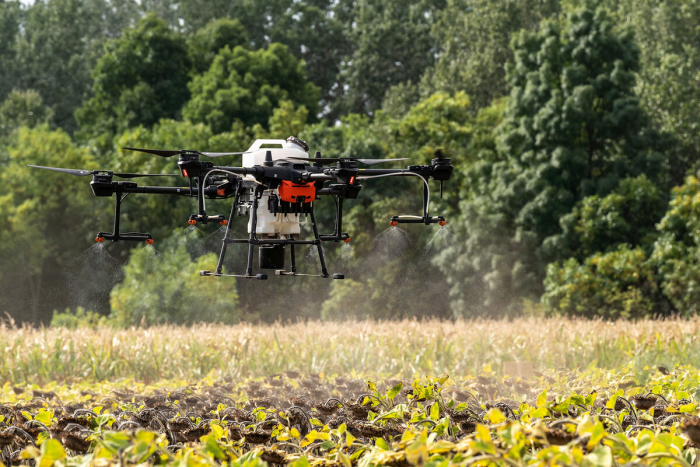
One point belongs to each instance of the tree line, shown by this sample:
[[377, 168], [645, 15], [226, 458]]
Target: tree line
[[573, 126]]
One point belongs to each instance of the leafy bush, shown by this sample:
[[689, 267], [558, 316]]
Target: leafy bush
[[80, 318], [167, 288], [618, 284], [677, 252], [627, 215]]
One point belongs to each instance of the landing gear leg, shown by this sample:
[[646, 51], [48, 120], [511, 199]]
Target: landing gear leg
[[324, 271], [251, 237], [220, 264]]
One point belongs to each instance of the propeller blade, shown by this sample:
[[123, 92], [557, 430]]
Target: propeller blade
[[127, 175], [79, 173], [328, 160], [157, 152], [221, 154], [379, 161], [319, 160]]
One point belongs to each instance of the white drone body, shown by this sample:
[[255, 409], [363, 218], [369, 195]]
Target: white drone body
[[272, 225]]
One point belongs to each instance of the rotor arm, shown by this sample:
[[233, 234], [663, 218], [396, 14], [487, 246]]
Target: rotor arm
[[156, 190]]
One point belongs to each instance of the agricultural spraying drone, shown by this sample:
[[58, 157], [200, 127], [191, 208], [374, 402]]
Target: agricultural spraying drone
[[277, 187]]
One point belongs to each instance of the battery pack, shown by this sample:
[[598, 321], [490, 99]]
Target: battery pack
[[271, 257]]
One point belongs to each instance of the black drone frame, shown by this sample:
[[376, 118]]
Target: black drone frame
[[348, 174], [247, 184]]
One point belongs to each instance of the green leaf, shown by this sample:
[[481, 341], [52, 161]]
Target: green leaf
[[344, 459], [613, 399], [393, 392], [600, 457], [44, 416], [301, 462], [216, 430], [211, 447], [542, 399], [326, 445], [435, 411], [349, 439], [495, 416], [380, 443], [51, 452], [685, 408]]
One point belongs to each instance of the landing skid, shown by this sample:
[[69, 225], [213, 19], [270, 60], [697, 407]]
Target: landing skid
[[282, 272], [261, 277]]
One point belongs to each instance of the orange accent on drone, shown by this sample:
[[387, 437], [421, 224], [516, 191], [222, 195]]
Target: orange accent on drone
[[220, 192], [192, 222], [99, 239], [393, 223], [442, 223], [290, 192], [224, 222], [347, 240], [149, 241]]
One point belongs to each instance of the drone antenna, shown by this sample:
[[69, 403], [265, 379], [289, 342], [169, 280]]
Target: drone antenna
[[268, 159]]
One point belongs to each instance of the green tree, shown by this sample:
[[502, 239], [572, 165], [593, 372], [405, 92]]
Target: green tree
[[314, 30], [55, 45], [668, 37], [141, 78], [167, 288], [474, 38], [391, 44], [206, 42], [572, 128], [45, 222], [246, 86], [23, 108], [10, 21]]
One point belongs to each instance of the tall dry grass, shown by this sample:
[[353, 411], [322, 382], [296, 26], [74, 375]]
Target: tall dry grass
[[399, 348]]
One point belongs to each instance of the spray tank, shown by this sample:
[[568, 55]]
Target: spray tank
[[283, 209]]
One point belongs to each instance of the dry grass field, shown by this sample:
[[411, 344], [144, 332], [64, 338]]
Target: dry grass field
[[403, 349]]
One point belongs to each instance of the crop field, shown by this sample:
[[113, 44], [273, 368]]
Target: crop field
[[358, 393]]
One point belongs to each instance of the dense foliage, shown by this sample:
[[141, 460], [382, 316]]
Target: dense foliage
[[573, 126]]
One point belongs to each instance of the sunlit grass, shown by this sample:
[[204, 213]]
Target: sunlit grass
[[393, 348]]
